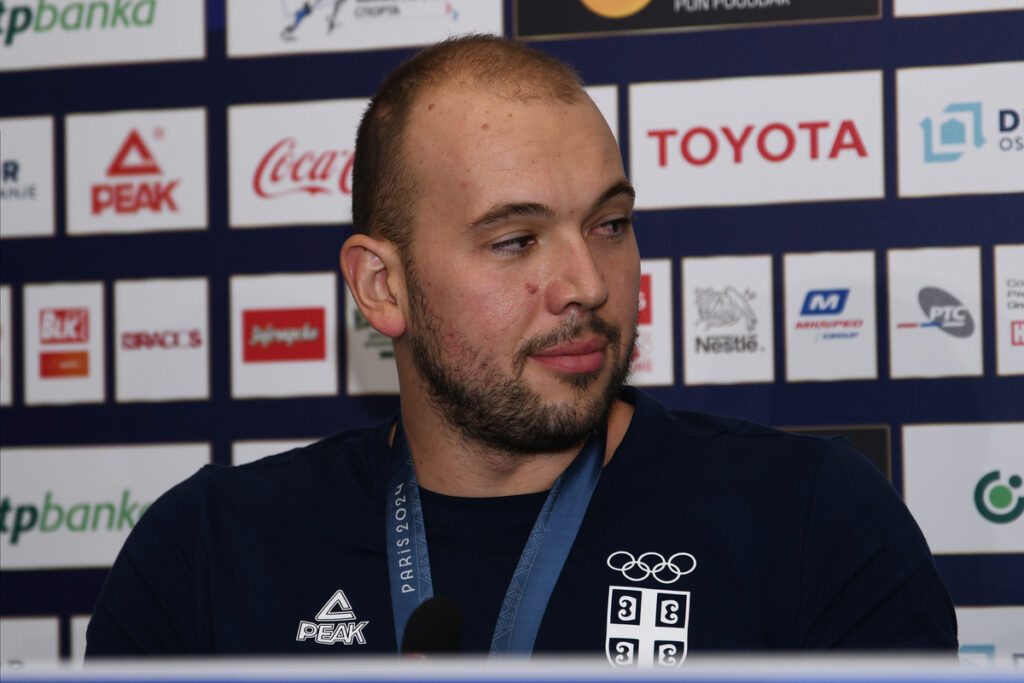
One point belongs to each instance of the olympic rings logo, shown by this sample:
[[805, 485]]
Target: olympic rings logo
[[652, 565]]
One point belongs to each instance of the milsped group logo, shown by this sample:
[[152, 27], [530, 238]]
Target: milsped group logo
[[283, 334], [828, 302], [998, 501], [136, 171], [746, 141]]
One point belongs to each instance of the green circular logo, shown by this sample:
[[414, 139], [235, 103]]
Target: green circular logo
[[998, 502]]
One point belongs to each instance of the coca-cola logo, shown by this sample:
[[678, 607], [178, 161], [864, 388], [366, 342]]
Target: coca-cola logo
[[166, 339], [284, 170], [283, 334]]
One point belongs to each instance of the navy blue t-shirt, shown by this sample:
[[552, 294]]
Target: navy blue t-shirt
[[707, 533]]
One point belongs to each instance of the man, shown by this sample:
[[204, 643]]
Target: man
[[558, 510]]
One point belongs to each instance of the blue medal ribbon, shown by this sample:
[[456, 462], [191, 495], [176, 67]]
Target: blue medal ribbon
[[539, 565]]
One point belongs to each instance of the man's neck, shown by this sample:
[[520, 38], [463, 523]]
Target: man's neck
[[449, 464]]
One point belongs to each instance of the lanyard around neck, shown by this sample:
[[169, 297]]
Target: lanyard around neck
[[539, 565]]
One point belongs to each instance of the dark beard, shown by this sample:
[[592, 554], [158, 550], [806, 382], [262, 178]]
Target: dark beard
[[502, 412]]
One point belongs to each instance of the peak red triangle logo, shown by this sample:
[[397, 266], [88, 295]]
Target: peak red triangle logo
[[134, 158]]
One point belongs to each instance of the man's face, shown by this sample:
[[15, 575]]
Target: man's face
[[523, 273]]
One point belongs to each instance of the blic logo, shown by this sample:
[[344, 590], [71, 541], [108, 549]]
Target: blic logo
[[283, 334], [168, 339], [64, 325], [283, 171], [995, 500], [131, 197], [81, 517], [76, 16], [774, 142]]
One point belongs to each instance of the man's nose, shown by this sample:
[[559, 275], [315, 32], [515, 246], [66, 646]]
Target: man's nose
[[577, 281]]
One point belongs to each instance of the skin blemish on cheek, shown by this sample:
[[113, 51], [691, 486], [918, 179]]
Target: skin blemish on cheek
[[531, 289], [429, 107], [485, 126]]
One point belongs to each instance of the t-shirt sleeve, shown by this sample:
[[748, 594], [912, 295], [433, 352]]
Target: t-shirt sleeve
[[867, 577], [149, 603]]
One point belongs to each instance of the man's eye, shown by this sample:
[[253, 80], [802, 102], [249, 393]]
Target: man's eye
[[514, 245], [613, 228]]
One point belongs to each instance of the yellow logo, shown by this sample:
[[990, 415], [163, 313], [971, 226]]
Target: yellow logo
[[615, 9]]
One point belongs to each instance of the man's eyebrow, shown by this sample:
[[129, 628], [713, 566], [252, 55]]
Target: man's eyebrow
[[505, 212], [621, 187]]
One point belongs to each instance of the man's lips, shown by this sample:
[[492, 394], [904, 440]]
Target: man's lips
[[576, 357]]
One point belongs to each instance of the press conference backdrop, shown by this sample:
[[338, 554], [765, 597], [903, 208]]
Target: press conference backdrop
[[830, 198]]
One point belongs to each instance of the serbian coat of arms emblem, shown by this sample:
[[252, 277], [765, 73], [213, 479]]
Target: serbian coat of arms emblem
[[646, 627]]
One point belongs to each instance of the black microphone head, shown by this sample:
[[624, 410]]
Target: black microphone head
[[434, 627]]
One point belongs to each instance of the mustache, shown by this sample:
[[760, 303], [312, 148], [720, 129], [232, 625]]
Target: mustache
[[571, 329]]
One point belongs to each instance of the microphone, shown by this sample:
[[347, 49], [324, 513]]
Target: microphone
[[434, 627]]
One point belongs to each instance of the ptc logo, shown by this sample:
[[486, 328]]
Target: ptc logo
[[995, 500], [944, 312], [952, 133]]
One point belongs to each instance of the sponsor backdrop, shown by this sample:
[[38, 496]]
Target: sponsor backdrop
[[829, 215]]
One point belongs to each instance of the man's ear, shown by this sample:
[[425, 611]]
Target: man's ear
[[374, 274]]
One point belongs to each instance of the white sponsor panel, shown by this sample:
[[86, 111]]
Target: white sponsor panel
[[728, 320], [6, 347], [284, 335], [757, 140], [606, 97], [830, 316], [291, 164], [1009, 269], [63, 352], [40, 34], [26, 177], [73, 506], [29, 641], [79, 624], [653, 356], [250, 450], [991, 636], [136, 171], [963, 484], [269, 27], [935, 317], [369, 355], [960, 129], [912, 8], [162, 340]]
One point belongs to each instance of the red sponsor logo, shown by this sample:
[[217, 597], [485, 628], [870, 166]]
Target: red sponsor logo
[[283, 170], [644, 312], [168, 339], [64, 364], [283, 334], [773, 142], [134, 159], [64, 325], [1017, 332]]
